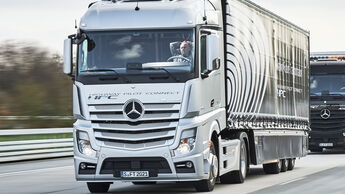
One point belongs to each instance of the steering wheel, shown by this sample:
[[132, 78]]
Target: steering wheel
[[178, 57]]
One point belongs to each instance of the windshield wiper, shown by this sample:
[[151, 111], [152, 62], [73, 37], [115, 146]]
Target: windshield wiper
[[104, 70], [162, 68], [159, 68]]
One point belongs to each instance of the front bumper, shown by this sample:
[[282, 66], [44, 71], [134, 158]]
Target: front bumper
[[327, 140], [199, 160]]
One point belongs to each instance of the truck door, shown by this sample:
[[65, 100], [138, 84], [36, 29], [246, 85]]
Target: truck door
[[210, 70]]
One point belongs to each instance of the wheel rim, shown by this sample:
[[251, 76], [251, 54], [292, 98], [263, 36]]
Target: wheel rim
[[243, 161], [286, 163]]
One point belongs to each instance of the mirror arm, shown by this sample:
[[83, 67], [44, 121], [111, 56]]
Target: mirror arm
[[206, 74]]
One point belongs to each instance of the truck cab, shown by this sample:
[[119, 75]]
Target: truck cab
[[327, 101], [148, 91]]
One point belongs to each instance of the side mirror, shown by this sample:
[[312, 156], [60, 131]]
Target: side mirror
[[67, 57], [213, 61], [216, 64]]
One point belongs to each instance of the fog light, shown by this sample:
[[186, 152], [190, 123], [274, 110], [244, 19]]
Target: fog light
[[83, 166], [344, 134], [189, 164], [87, 168]]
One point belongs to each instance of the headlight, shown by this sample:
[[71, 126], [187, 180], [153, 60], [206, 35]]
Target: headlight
[[84, 144], [187, 142]]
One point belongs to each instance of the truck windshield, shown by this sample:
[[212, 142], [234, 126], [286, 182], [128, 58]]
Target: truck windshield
[[330, 84], [140, 56]]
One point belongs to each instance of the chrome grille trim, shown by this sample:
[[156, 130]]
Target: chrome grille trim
[[156, 128], [126, 127], [134, 138]]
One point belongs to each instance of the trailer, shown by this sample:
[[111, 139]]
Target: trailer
[[327, 101], [187, 91]]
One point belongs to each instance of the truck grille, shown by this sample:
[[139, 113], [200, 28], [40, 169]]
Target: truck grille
[[157, 127], [335, 122]]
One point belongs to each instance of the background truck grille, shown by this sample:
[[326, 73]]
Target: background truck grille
[[334, 123], [157, 127]]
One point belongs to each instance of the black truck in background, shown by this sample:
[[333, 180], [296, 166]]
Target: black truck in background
[[327, 101]]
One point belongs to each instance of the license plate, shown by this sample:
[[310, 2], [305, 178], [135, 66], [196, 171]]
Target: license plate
[[134, 174], [326, 144]]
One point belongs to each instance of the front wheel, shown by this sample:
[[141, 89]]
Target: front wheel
[[98, 187], [208, 185]]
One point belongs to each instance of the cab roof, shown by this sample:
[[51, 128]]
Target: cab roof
[[107, 15]]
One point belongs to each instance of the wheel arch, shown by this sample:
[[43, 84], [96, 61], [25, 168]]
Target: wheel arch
[[214, 135]]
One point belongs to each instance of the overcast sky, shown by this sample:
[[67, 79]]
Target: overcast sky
[[48, 22]]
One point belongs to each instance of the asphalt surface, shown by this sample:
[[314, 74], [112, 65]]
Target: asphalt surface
[[316, 173]]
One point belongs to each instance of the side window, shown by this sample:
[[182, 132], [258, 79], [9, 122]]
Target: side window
[[83, 51], [203, 62]]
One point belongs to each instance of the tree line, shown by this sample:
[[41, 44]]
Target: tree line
[[32, 84]]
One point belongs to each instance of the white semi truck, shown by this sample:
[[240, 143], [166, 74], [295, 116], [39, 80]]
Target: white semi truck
[[187, 91]]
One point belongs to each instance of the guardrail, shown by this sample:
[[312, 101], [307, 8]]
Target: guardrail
[[35, 149]]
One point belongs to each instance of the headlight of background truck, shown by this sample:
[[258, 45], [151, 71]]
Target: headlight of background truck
[[84, 144], [187, 142]]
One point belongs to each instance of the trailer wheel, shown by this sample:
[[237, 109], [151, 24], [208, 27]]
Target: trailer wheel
[[208, 185], [285, 164], [238, 176], [272, 168], [291, 164], [98, 187]]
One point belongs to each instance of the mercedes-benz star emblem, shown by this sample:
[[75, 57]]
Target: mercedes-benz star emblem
[[325, 114], [133, 109]]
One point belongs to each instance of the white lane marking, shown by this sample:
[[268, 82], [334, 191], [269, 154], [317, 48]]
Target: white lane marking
[[294, 180], [30, 171]]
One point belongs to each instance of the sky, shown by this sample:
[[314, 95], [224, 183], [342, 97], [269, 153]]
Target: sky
[[47, 23]]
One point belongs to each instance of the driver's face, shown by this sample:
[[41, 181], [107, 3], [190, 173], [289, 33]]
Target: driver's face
[[185, 49]]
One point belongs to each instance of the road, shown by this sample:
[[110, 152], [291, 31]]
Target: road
[[316, 173]]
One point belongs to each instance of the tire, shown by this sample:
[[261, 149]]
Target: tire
[[98, 187], [144, 183], [238, 176], [272, 168], [284, 165], [291, 164], [208, 185]]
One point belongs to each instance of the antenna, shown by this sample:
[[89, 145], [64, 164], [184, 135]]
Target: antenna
[[137, 7], [75, 24], [205, 18]]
